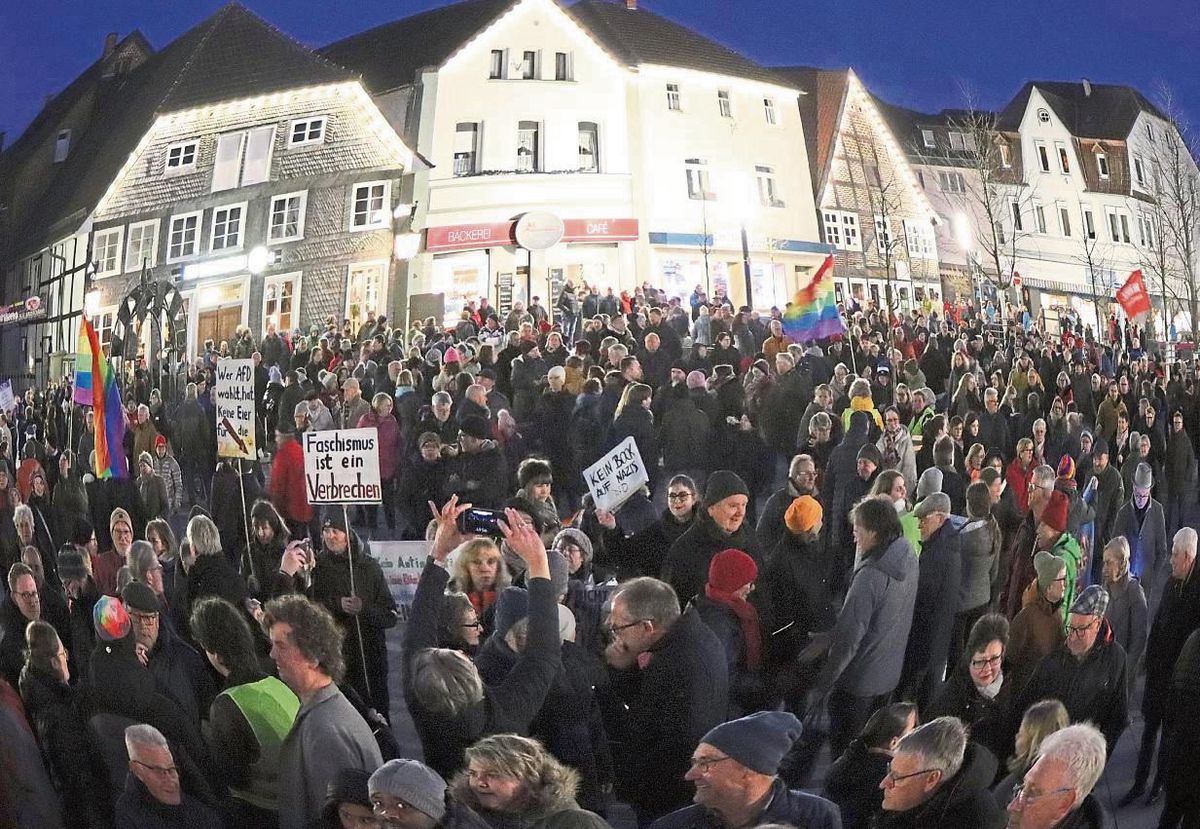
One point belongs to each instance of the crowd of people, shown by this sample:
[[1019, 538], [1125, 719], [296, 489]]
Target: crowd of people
[[947, 544]]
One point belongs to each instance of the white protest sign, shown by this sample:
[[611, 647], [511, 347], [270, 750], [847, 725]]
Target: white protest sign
[[341, 466], [402, 563], [233, 402], [7, 401], [617, 475]]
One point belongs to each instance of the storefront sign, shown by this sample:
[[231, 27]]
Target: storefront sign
[[600, 230], [341, 466], [466, 237], [27, 310], [539, 230], [617, 476], [233, 400]]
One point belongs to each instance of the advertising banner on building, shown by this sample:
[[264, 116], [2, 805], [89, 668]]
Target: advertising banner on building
[[233, 403], [341, 466], [27, 310]]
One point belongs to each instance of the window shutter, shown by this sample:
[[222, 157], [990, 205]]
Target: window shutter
[[228, 162], [258, 155]]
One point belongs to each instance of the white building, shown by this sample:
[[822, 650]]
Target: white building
[[654, 145]]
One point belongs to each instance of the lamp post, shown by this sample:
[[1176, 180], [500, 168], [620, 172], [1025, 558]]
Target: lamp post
[[744, 205]]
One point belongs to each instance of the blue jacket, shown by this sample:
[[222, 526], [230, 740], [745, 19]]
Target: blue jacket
[[786, 806]]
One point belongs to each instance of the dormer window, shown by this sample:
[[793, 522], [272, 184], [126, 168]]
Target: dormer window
[[306, 131], [181, 157], [1102, 163], [62, 146], [928, 140]]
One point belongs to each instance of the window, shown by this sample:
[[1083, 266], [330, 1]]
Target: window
[[1043, 115], [927, 139], [918, 237], [62, 146], [364, 291], [1089, 223], [528, 147], [1064, 158], [1145, 230], [143, 245], [589, 147], [370, 207], [562, 66], [768, 194], [1001, 236], [1139, 171], [952, 181], [1005, 156], [106, 251], [958, 141], [1118, 226], [243, 158], [496, 66], [1149, 131], [287, 217], [183, 240], [697, 179], [1064, 219], [181, 157], [1039, 218], [883, 234], [281, 295], [673, 102], [306, 131], [723, 105], [841, 229], [769, 111], [466, 148], [1043, 157], [1015, 207], [103, 323], [227, 227], [1102, 163], [529, 66]]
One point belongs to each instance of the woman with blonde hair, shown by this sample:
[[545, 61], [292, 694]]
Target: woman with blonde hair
[[1041, 720], [479, 572], [974, 461]]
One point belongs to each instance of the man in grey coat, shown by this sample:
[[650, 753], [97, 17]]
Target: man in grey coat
[[329, 734], [1142, 522]]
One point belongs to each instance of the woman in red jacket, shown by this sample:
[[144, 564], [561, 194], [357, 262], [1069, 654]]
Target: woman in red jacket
[[287, 486]]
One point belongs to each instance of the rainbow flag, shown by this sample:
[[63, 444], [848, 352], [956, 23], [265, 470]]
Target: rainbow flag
[[813, 314], [105, 401], [83, 367]]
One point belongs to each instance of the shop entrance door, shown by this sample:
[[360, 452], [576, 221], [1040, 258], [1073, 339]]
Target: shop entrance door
[[217, 324]]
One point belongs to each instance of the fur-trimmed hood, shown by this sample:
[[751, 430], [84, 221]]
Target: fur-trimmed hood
[[550, 796]]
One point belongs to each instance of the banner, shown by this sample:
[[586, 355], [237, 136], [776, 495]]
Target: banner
[[341, 466], [617, 476], [402, 563], [7, 401], [233, 402], [1133, 296], [26, 310]]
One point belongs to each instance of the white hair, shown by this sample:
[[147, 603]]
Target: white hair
[[941, 743], [142, 734], [24, 513], [1083, 750], [1186, 538]]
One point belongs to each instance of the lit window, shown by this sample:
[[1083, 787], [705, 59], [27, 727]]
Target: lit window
[[528, 147], [281, 296], [143, 246], [466, 148], [841, 229], [369, 207], [306, 131], [589, 147]]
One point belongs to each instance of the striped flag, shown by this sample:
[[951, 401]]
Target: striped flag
[[813, 314]]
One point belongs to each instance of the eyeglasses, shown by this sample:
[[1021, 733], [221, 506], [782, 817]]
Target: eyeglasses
[[986, 663], [28, 596], [705, 764], [471, 624], [678, 496], [169, 771], [1079, 630], [618, 628], [900, 778], [1020, 794]]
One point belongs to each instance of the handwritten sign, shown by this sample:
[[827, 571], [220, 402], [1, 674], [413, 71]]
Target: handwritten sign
[[617, 475], [341, 466], [402, 563], [233, 403], [7, 401]]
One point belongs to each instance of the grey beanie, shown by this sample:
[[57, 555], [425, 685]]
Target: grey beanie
[[1047, 566], [560, 572], [1143, 476], [759, 742], [577, 537], [511, 607], [413, 782]]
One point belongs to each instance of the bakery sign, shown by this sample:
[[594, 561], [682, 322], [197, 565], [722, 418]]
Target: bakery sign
[[27, 310], [497, 234]]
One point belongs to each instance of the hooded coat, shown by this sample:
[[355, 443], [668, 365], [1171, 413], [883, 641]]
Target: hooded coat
[[840, 472], [939, 583], [549, 804], [962, 801]]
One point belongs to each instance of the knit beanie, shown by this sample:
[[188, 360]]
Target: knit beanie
[[118, 515], [452, 355], [759, 742], [929, 483], [731, 570], [1055, 514], [413, 782], [723, 484], [511, 607], [147, 458], [870, 452], [110, 619], [1047, 566], [1066, 468], [348, 785], [1143, 477], [696, 380], [139, 597], [577, 537], [803, 514], [70, 564]]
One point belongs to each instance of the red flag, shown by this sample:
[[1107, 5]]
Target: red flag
[[1133, 296]]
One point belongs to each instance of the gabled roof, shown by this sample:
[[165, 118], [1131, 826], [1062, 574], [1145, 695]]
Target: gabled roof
[[637, 36], [391, 55], [1108, 111], [820, 112], [233, 54]]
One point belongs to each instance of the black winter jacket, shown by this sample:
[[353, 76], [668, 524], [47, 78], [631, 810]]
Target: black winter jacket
[[962, 801], [686, 565]]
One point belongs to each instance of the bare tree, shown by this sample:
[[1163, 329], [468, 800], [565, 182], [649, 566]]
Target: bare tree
[[1094, 254]]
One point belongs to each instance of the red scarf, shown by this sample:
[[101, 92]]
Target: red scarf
[[748, 617], [481, 600]]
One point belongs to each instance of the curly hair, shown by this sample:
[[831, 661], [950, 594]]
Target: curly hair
[[221, 629], [528, 762], [314, 631]]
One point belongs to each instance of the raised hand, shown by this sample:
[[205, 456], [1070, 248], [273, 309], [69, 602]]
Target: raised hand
[[523, 540], [447, 537]]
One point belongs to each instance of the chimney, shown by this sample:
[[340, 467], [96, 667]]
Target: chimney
[[110, 43], [1087, 88], [631, 5]]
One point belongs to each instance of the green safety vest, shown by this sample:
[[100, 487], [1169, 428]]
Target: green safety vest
[[270, 708]]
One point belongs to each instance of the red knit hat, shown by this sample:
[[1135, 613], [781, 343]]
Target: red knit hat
[[731, 570], [1055, 516]]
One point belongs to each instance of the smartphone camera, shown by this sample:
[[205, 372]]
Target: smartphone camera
[[480, 522]]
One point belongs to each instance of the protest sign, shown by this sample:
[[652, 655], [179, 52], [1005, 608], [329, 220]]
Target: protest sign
[[233, 402], [617, 475], [7, 401], [402, 563], [341, 466]]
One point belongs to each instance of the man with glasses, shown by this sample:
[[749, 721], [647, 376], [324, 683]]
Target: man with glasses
[[734, 769], [106, 564], [1056, 792], [938, 780], [23, 605], [801, 480], [154, 792], [1088, 675]]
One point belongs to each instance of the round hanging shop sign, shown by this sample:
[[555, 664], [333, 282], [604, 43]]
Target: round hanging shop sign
[[538, 230]]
